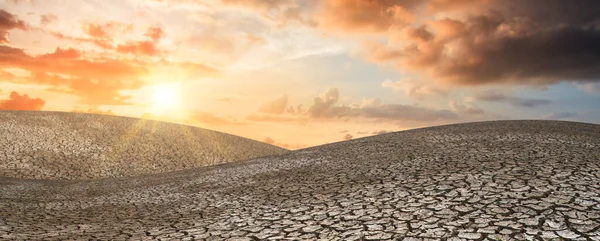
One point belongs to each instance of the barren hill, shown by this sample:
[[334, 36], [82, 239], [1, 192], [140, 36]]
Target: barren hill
[[502, 180], [60, 145]]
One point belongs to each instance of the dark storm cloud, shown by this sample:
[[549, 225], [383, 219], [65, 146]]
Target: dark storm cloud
[[533, 42]]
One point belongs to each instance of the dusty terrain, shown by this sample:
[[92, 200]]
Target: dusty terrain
[[59, 145], [505, 180]]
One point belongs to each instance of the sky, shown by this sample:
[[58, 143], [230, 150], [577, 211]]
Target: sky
[[300, 73]]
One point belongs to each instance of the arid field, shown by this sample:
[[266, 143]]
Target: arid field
[[500, 180], [60, 145]]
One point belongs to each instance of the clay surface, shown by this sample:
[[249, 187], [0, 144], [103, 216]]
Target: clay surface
[[59, 145], [503, 180]]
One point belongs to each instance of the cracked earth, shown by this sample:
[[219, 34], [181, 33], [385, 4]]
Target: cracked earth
[[59, 145], [502, 180]]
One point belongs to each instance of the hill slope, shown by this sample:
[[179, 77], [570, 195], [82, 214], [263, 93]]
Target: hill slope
[[60, 145], [505, 180]]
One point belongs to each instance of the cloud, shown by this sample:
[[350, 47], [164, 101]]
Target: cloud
[[7, 23], [98, 33], [260, 4], [466, 42], [103, 35], [59, 53], [225, 45], [277, 106], [462, 108], [414, 88], [279, 12], [95, 80], [341, 16], [144, 47], [138, 48], [155, 33], [591, 88], [324, 106], [46, 19], [497, 96], [364, 16], [21, 102], [459, 42], [559, 115], [347, 137], [515, 43], [399, 112], [435, 6]]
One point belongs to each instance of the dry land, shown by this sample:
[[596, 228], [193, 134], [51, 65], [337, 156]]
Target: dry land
[[503, 180], [59, 145]]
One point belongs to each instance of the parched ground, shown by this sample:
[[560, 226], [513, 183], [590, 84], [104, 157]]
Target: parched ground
[[61, 145], [505, 180]]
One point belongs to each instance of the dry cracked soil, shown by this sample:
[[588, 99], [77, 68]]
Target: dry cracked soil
[[60, 145], [500, 180]]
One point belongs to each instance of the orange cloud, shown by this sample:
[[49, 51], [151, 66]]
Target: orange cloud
[[101, 34], [7, 23], [21, 102], [144, 47], [448, 5], [155, 33], [138, 48], [59, 53], [95, 30], [96, 81], [365, 16]]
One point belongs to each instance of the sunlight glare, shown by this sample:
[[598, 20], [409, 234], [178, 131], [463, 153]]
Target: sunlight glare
[[165, 98]]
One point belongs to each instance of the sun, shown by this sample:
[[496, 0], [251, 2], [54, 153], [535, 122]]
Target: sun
[[165, 98]]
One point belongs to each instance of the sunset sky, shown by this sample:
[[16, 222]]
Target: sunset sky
[[298, 73]]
